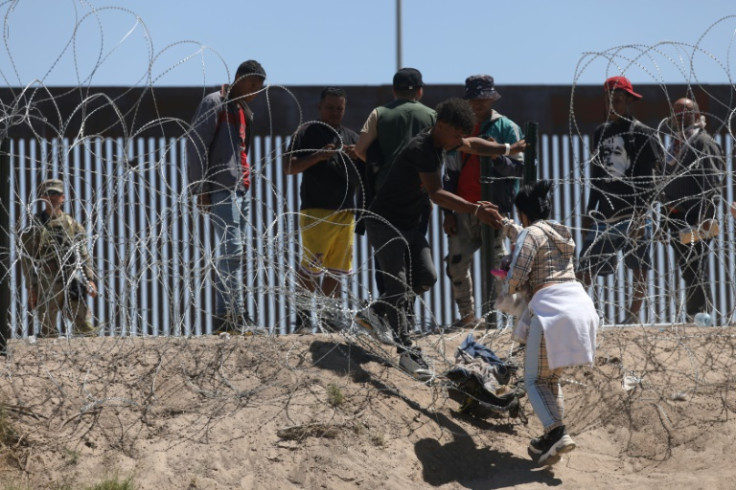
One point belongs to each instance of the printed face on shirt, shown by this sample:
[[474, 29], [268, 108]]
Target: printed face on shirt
[[332, 110], [614, 157]]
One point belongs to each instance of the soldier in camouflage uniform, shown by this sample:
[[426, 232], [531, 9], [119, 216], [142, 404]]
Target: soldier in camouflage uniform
[[56, 265]]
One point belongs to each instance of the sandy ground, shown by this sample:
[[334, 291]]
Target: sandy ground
[[321, 412]]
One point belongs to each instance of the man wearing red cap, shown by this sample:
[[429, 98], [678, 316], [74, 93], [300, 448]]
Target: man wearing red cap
[[625, 154]]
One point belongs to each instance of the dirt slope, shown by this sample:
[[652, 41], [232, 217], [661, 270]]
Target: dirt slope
[[319, 412]]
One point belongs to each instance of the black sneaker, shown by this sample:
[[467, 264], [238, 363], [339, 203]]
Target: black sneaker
[[412, 362], [551, 447], [303, 325], [333, 321], [536, 446]]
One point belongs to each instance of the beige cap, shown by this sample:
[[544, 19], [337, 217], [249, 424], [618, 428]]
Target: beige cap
[[51, 185]]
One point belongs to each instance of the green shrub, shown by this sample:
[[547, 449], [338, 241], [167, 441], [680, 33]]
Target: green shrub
[[335, 396]]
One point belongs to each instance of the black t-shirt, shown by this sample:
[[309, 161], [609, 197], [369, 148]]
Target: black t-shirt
[[621, 177], [329, 184], [402, 199]]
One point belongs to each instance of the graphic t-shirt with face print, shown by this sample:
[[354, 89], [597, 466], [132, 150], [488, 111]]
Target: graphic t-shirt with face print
[[624, 158]]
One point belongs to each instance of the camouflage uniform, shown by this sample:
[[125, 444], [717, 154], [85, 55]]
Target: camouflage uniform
[[56, 265]]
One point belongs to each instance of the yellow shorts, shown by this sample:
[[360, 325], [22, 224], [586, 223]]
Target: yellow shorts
[[327, 240]]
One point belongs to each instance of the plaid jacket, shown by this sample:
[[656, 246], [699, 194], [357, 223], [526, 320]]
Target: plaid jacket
[[543, 253]]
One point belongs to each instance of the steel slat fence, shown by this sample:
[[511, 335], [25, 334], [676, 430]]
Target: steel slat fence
[[153, 251]]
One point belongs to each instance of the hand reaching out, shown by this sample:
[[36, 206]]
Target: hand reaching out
[[488, 213]]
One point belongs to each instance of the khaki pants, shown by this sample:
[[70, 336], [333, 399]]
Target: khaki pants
[[52, 299]]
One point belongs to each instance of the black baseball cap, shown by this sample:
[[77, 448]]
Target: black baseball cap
[[408, 79]]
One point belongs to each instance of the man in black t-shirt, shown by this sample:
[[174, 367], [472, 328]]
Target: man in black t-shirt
[[322, 152], [625, 154], [395, 226]]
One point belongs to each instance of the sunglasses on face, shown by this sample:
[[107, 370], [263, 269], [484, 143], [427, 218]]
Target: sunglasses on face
[[54, 193]]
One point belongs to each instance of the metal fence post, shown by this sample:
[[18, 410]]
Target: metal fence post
[[5, 228], [488, 238], [530, 153]]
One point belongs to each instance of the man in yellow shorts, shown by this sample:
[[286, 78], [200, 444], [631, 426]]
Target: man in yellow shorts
[[323, 152]]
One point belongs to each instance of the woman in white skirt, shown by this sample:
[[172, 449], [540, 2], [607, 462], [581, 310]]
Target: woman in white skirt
[[559, 325]]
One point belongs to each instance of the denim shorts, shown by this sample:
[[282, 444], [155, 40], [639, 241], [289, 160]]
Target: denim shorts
[[602, 243]]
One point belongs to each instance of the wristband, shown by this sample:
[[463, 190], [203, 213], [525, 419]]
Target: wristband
[[508, 149], [476, 210]]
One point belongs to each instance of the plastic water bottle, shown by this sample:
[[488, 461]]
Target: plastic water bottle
[[703, 320]]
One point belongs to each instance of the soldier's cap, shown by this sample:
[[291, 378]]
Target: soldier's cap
[[408, 79], [53, 185], [620, 83], [481, 87]]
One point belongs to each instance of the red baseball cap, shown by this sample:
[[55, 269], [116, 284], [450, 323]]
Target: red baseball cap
[[620, 83]]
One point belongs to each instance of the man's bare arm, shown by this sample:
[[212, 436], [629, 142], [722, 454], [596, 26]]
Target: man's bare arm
[[296, 165], [486, 148], [485, 211]]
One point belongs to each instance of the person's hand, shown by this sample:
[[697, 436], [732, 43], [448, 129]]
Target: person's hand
[[488, 213], [204, 202], [326, 152], [32, 299], [91, 289], [517, 147], [450, 224], [733, 209], [350, 151]]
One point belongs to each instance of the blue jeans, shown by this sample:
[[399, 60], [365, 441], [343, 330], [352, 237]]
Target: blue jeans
[[229, 213]]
